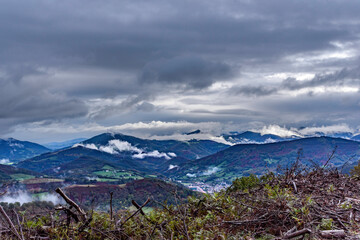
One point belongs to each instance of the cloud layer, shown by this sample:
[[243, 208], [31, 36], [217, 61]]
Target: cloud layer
[[242, 64], [116, 146]]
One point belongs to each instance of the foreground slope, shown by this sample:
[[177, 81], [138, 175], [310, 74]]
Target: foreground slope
[[244, 159], [139, 190], [320, 204]]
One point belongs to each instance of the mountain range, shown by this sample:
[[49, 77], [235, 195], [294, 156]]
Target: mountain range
[[126, 153], [245, 159], [110, 157]]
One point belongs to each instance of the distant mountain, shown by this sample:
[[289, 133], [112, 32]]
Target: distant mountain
[[93, 169], [244, 159], [127, 152], [122, 144], [12, 150], [345, 135], [64, 144], [52, 160], [356, 137], [249, 137], [79, 166]]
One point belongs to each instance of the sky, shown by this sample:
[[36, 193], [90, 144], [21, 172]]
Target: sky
[[152, 68]]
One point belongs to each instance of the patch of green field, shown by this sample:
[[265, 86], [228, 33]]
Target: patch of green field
[[21, 176], [107, 167], [106, 179], [116, 174], [153, 176], [42, 180]]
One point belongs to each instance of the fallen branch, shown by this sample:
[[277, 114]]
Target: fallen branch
[[297, 233], [72, 203], [333, 234]]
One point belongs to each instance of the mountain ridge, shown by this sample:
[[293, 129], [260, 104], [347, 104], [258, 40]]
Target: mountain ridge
[[245, 159]]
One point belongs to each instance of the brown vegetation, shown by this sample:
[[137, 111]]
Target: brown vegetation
[[317, 204]]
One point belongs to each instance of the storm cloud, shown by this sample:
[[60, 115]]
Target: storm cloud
[[191, 72], [242, 64]]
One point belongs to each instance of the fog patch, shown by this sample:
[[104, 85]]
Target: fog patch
[[172, 166], [155, 154], [120, 146], [24, 197], [113, 147], [4, 161], [211, 170], [279, 131], [91, 178], [171, 154], [90, 146]]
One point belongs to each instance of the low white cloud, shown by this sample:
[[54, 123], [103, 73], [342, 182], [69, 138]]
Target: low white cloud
[[279, 131], [24, 197], [137, 129], [249, 141], [113, 147], [184, 137], [341, 128], [21, 197], [116, 146], [304, 132], [191, 175], [155, 154], [55, 199], [90, 146], [172, 166], [4, 161], [210, 170]]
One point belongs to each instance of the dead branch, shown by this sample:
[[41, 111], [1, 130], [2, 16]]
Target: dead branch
[[72, 203], [139, 209], [297, 233], [333, 234], [10, 223]]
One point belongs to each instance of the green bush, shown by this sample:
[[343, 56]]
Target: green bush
[[244, 183]]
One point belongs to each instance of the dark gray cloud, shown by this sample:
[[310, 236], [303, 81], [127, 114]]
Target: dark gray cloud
[[24, 98], [253, 90], [338, 78], [346, 77], [188, 71]]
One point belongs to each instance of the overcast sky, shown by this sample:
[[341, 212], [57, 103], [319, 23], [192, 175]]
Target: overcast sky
[[75, 68]]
